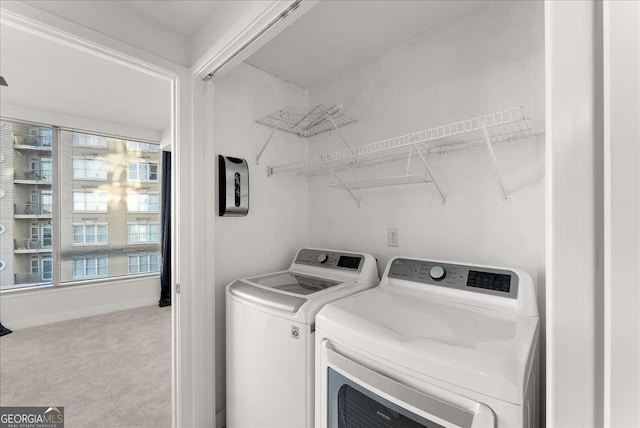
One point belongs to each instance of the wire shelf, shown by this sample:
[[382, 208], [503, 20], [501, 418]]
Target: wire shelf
[[381, 182], [502, 126], [307, 123]]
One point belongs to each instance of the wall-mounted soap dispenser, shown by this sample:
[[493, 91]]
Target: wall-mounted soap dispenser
[[233, 186]]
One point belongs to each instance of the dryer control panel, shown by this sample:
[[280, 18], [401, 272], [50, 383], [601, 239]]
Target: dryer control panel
[[497, 282], [330, 259]]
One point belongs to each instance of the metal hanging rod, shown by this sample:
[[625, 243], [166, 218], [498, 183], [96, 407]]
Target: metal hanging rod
[[249, 42]]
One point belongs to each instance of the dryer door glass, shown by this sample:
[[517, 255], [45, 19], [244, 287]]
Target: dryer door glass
[[358, 407], [295, 283]]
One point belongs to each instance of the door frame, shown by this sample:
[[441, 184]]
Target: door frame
[[32, 20]]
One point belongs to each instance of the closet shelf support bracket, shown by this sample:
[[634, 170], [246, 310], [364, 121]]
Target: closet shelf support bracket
[[345, 187], [489, 144], [433, 179], [265, 146]]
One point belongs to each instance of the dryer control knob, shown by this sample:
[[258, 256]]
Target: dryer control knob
[[438, 273], [322, 258]]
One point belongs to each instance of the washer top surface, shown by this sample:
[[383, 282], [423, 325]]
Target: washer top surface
[[295, 283], [483, 348], [315, 278]]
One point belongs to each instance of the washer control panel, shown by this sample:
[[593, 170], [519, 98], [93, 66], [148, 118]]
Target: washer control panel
[[330, 259], [497, 282]]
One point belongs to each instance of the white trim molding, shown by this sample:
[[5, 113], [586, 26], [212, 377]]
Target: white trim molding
[[245, 38], [574, 244], [621, 37]]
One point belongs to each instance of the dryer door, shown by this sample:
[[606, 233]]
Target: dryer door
[[358, 397]]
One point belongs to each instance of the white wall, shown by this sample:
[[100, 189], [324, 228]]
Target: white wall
[[28, 308], [268, 237], [491, 60], [574, 210], [79, 123], [622, 214], [124, 24]]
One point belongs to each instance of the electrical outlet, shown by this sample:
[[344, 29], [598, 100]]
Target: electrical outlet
[[392, 237]]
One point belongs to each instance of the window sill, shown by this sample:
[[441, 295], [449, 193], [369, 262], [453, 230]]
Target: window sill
[[83, 283]]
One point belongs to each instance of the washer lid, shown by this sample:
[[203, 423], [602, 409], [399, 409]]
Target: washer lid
[[294, 283], [487, 351]]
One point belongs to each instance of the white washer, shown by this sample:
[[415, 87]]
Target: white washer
[[437, 344], [270, 335]]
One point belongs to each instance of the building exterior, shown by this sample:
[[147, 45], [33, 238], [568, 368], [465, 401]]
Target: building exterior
[[76, 206]]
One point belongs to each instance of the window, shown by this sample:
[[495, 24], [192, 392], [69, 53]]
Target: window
[[143, 147], [43, 234], [2, 264], [92, 200], [143, 202], [77, 208], [88, 140], [40, 137], [89, 234], [90, 267], [42, 269], [142, 233], [142, 171], [41, 202], [142, 263], [90, 169], [46, 271], [41, 169]]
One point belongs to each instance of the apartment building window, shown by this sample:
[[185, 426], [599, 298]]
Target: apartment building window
[[143, 202], [89, 169], [70, 212], [142, 147], [143, 233], [41, 269], [42, 236], [40, 168], [90, 234], [90, 200], [88, 140], [41, 203], [143, 263], [90, 267], [142, 171], [40, 136]]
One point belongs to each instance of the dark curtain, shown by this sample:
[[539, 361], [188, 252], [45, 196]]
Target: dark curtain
[[4, 330], [165, 222]]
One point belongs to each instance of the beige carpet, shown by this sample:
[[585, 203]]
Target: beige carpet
[[110, 370]]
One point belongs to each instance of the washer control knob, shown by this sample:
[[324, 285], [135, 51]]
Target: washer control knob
[[437, 273], [322, 258]]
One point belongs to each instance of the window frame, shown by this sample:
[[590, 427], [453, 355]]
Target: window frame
[[138, 256], [130, 242], [85, 191], [95, 225], [133, 192], [92, 146], [85, 258], [92, 159]]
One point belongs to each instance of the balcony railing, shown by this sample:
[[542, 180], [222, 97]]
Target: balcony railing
[[29, 245], [36, 175], [32, 209], [35, 141], [30, 278]]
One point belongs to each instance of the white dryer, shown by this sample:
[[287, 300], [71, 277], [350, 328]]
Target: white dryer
[[270, 335], [435, 345]]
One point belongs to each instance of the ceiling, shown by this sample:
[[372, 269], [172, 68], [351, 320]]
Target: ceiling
[[335, 36], [185, 17], [50, 76]]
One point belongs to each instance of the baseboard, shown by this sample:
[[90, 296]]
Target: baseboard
[[82, 313], [221, 418]]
